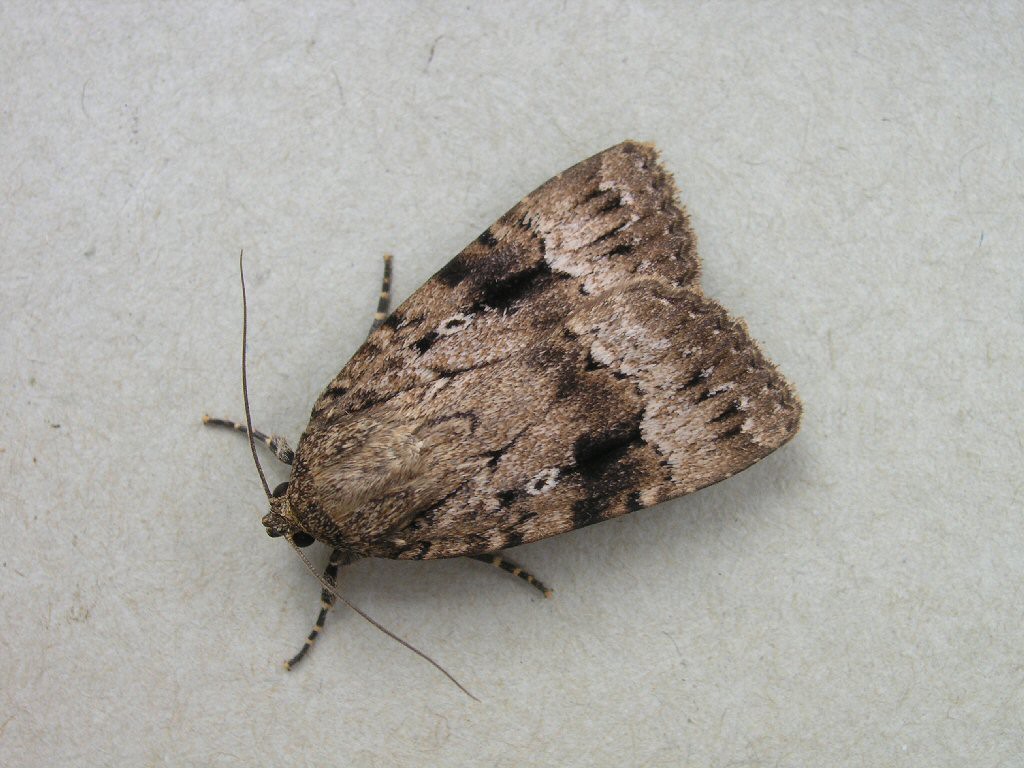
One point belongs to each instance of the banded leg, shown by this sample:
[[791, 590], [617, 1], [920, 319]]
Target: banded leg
[[499, 562], [384, 299], [275, 443], [337, 556], [326, 603]]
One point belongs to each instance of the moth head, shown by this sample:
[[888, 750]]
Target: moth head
[[280, 520]]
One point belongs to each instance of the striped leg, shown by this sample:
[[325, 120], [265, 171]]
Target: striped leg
[[281, 450], [384, 300], [326, 603], [499, 562], [337, 556], [275, 443]]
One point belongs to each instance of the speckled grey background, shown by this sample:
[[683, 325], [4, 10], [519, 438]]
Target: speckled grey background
[[854, 177]]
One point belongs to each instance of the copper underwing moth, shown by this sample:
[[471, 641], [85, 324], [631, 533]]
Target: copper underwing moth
[[565, 368]]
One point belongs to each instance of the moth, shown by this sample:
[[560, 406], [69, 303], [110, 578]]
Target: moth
[[565, 368]]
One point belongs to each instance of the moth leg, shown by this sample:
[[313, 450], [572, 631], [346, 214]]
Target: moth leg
[[326, 603], [384, 299], [275, 443], [499, 562]]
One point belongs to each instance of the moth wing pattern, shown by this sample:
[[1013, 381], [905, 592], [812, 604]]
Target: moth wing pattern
[[563, 369], [595, 226]]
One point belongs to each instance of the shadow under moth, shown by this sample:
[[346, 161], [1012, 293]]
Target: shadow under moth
[[565, 368]]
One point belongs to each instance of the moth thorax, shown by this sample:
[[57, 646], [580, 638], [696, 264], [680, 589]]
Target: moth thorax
[[374, 459]]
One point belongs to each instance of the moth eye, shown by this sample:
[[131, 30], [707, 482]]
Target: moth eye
[[281, 490], [272, 533], [302, 539]]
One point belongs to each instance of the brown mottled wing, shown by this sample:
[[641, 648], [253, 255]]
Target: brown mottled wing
[[598, 225], [563, 369]]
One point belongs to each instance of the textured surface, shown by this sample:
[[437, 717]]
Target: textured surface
[[854, 177], [565, 368]]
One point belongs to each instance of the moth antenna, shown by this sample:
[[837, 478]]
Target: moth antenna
[[375, 623], [245, 383]]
